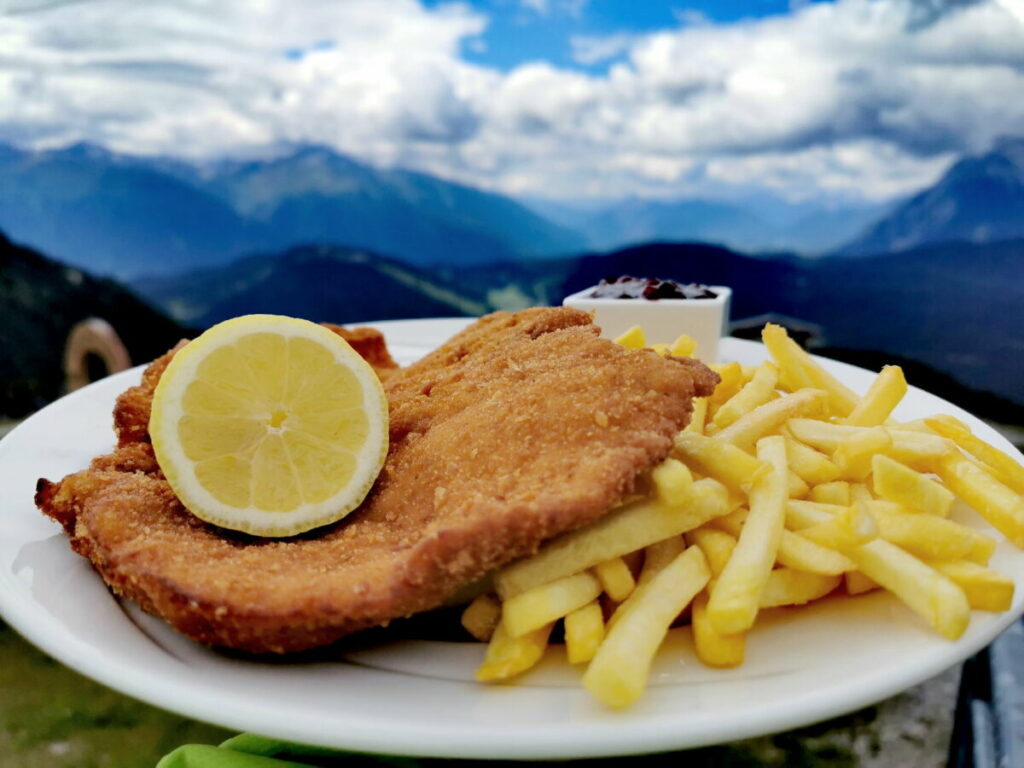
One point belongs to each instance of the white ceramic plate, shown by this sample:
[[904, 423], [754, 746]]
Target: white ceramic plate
[[419, 698]]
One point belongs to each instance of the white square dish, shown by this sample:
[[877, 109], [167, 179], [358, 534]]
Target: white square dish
[[663, 320]]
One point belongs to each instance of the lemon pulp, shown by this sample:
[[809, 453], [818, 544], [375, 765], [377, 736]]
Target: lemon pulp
[[269, 425]]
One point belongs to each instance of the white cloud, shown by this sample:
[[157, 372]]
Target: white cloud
[[859, 168], [538, 6], [203, 78], [575, 8], [593, 49], [572, 8], [690, 16], [868, 98]]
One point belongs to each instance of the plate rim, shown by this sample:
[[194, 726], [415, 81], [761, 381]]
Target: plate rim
[[599, 738]]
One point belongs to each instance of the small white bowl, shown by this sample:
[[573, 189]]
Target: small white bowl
[[663, 320]]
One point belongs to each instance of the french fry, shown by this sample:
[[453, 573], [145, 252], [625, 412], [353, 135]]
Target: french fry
[[616, 578], [842, 400], [794, 551], [823, 435], [542, 605], [796, 488], [928, 537], [903, 485], [854, 453], [857, 583], [802, 514], [1007, 469], [617, 676], [945, 418], [584, 631], [683, 346], [811, 466], [698, 417], [716, 544], [632, 338], [621, 531], [919, 450], [733, 604], [919, 425], [784, 351], [731, 375], [758, 391], [852, 527], [713, 649], [801, 554], [788, 587], [721, 460], [986, 589], [860, 492], [731, 523], [797, 365], [635, 561], [924, 590], [835, 492], [998, 504], [766, 418], [658, 555], [661, 349], [672, 481], [481, 617], [509, 656], [878, 402]]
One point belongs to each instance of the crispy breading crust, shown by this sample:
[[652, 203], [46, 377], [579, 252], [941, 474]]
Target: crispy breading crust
[[520, 428], [369, 343]]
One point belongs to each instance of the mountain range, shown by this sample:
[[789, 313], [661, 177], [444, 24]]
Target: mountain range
[[756, 223], [126, 216], [130, 216], [980, 199], [937, 280], [321, 283], [924, 306], [949, 307], [114, 215]]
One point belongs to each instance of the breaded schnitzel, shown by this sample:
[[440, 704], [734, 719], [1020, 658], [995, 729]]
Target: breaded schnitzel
[[519, 428]]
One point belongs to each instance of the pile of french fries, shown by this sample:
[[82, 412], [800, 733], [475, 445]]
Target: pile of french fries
[[785, 487]]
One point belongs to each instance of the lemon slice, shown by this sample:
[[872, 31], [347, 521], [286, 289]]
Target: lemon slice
[[269, 425]]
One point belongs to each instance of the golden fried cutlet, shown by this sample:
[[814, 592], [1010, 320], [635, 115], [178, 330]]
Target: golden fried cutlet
[[520, 428]]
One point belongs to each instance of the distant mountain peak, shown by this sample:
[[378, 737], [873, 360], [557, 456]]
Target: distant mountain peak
[[84, 150], [1007, 143], [979, 199], [1012, 148]]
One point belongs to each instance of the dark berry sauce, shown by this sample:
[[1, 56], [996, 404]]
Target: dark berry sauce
[[627, 287]]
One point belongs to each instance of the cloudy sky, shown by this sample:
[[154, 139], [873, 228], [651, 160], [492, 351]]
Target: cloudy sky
[[560, 98]]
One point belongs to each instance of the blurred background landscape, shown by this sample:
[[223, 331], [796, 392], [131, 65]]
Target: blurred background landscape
[[853, 169]]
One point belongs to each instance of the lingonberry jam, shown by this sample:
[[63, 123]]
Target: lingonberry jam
[[627, 287]]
